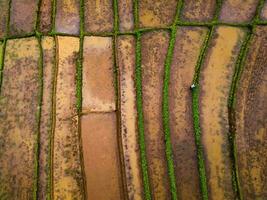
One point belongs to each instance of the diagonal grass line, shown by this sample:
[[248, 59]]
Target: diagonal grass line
[[165, 103], [54, 90], [8, 18], [4, 42], [79, 85], [196, 119], [139, 106], [217, 11], [2, 60], [231, 112], [38, 16], [256, 18], [38, 116], [52, 119], [54, 12]]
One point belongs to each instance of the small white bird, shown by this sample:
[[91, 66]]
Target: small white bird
[[192, 86]]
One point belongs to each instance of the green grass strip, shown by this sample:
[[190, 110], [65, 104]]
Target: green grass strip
[[165, 104], [2, 60], [217, 11], [52, 118], [196, 119], [54, 98], [38, 16], [38, 117], [139, 105], [54, 13], [141, 130], [8, 19], [79, 85], [39, 111], [256, 18]]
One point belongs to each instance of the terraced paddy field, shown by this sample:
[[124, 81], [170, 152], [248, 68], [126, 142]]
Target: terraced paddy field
[[133, 100]]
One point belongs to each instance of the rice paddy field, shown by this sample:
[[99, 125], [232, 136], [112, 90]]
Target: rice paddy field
[[133, 100]]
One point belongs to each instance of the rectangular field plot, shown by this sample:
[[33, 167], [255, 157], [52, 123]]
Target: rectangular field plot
[[19, 119]]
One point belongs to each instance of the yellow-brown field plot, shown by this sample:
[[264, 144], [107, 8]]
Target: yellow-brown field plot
[[128, 114], [67, 174], [160, 13], [48, 47], [98, 15], [154, 47], [187, 48], [19, 119], [251, 119], [215, 83]]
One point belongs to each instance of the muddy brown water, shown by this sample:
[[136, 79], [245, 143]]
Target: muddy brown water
[[215, 82], [98, 75], [101, 156]]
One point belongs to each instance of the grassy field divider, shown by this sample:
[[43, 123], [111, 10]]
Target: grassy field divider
[[2, 61], [79, 86], [38, 120], [231, 113], [165, 103], [196, 120], [139, 104]]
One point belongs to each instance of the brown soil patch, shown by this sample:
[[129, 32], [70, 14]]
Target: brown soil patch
[[251, 120], [129, 131], [188, 44], [154, 50], [201, 10], [18, 119]]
